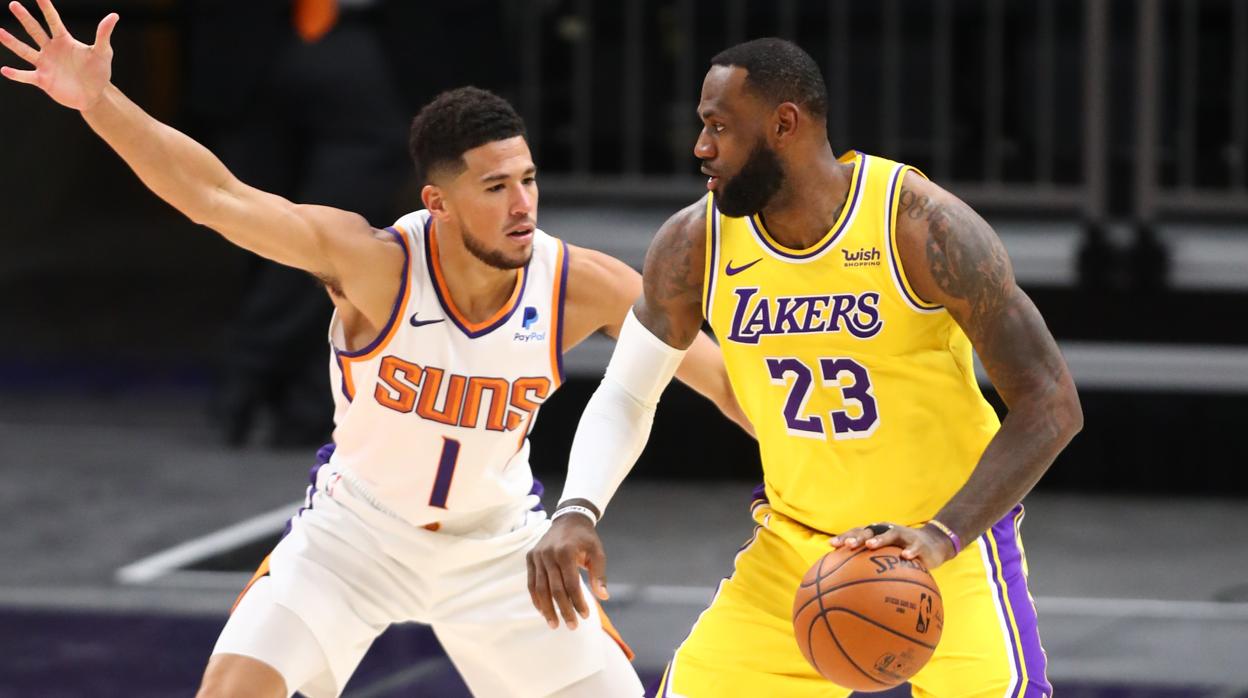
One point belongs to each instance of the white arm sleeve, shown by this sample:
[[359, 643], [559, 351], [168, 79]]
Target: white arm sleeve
[[616, 422]]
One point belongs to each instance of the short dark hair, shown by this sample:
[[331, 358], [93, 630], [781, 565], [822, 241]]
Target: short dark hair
[[779, 71], [455, 122]]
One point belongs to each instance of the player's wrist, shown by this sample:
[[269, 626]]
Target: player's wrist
[[579, 507], [947, 534]]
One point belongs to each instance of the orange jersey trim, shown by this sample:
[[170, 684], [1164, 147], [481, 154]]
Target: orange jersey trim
[[346, 358], [609, 628], [261, 572], [556, 307], [470, 328]]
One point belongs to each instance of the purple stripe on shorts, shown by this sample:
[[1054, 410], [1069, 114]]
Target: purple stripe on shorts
[[1004, 534], [323, 455]]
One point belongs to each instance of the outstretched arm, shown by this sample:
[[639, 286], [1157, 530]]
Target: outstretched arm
[[954, 258], [336, 246], [615, 425]]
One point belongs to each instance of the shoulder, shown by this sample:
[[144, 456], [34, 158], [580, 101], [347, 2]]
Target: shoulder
[[949, 251], [684, 229], [588, 267]]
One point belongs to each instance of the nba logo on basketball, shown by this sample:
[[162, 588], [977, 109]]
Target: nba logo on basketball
[[529, 320]]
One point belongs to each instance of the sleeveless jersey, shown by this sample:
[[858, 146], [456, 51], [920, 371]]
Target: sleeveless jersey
[[863, 396], [432, 418]]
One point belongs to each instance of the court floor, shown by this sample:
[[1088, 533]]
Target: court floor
[[127, 532]]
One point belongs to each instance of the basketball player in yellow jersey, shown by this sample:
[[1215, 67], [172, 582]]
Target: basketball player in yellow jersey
[[847, 294]]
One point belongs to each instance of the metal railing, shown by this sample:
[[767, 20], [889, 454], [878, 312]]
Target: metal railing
[[1191, 104], [986, 110]]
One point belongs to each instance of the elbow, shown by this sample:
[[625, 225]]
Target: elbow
[[202, 210], [1069, 413]]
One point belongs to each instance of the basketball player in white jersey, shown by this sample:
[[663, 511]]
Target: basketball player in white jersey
[[447, 338]]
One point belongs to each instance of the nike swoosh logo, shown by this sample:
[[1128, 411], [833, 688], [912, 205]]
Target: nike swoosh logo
[[422, 323], [732, 271]]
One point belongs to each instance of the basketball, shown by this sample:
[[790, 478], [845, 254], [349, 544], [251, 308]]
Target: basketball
[[867, 619]]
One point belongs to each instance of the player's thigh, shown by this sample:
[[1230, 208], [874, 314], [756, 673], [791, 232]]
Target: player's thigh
[[616, 679], [502, 646], [743, 644], [990, 645], [264, 650]]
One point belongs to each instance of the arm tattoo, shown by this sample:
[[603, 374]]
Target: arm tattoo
[[965, 258], [672, 280]]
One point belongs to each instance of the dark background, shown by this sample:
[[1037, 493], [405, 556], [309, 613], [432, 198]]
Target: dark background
[[106, 291]]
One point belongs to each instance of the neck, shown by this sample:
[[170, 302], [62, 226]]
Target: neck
[[811, 200], [477, 289]]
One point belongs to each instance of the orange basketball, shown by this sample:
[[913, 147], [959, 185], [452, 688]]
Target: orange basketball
[[867, 619]]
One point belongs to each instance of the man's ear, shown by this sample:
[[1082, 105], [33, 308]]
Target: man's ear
[[434, 199], [785, 120]]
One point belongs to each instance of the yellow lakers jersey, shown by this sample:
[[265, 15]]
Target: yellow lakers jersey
[[863, 396]]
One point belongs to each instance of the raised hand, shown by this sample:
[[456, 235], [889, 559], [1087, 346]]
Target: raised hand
[[71, 72]]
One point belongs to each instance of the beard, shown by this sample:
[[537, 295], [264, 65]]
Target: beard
[[493, 258], [751, 189]]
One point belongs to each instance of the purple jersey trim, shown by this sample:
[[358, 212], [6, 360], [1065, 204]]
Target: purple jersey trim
[[563, 294], [890, 228], [398, 301], [711, 273], [759, 226]]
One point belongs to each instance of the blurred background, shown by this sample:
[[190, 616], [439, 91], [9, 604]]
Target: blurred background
[[162, 393]]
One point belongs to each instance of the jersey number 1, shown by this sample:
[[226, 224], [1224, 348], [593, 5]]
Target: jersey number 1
[[446, 471], [856, 393]]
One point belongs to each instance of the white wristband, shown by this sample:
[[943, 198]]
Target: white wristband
[[575, 509]]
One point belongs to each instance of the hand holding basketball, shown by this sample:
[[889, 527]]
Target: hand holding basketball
[[926, 544], [867, 619], [71, 72]]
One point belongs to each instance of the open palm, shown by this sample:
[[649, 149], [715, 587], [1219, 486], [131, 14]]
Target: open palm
[[71, 72]]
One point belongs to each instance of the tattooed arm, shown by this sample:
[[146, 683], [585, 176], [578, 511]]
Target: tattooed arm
[[671, 301], [953, 258]]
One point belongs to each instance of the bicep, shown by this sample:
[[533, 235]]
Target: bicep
[[954, 258], [603, 288], [268, 225], [361, 264], [671, 302]]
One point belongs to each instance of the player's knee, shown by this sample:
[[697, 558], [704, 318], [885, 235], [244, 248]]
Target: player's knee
[[236, 676]]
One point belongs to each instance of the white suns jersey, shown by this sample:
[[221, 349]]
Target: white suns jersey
[[432, 418]]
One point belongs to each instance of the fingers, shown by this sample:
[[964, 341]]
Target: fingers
[[54, 20], [104, 32], [598, 573], [29, 23], [572, 583], [26, 76], [16, 45], [541, 592], [873, 536], [559, 592], [852, 538]]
